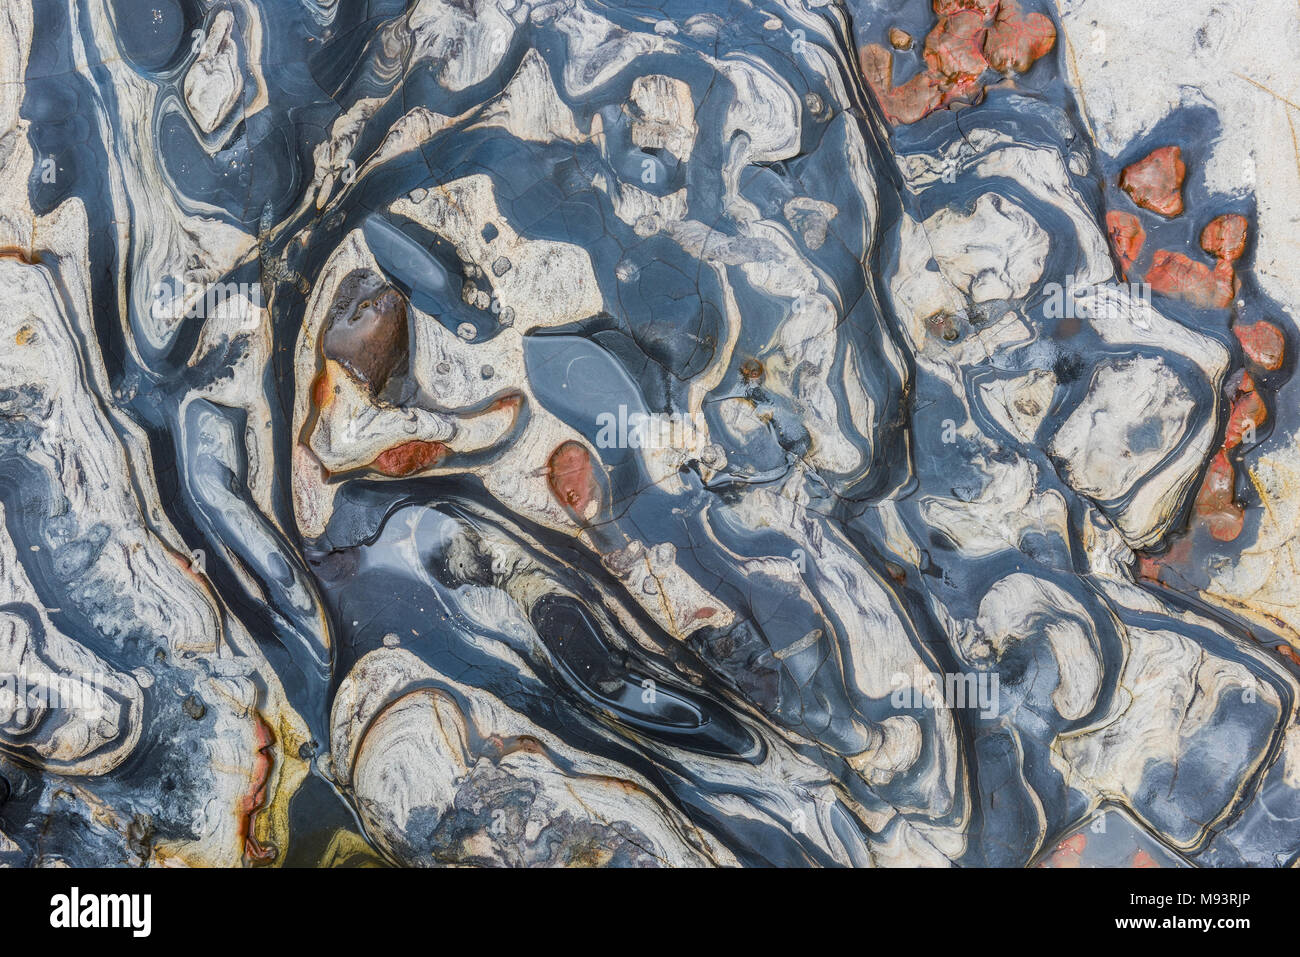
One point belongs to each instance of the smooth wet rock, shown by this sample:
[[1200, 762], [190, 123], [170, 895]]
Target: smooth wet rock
[[1155, 182], [1016, 39], [1180, 277], [1126, 236], [1263, 343], [1224, 237], [1215, 503], [367, 329]]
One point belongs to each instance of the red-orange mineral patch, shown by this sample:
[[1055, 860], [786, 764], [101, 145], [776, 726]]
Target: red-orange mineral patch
[[407, 458], [255, 798], [953, 49], [1017, 39], [1248, 414], [1263, 344], [946, 8], [572, 478], [1150, 567], [322, 389], [1175, 275], [1214, 504], [1156, 182], [907, 102], [1126, 236], [1068, 853], [1225, 237], [965, 42]]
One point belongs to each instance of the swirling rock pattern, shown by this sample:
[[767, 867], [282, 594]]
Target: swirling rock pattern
[[629, 434]]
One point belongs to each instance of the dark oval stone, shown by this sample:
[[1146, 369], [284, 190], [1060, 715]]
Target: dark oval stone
[[366, 328]]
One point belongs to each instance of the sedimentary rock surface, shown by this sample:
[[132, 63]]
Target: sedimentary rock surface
[[593, 434]]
